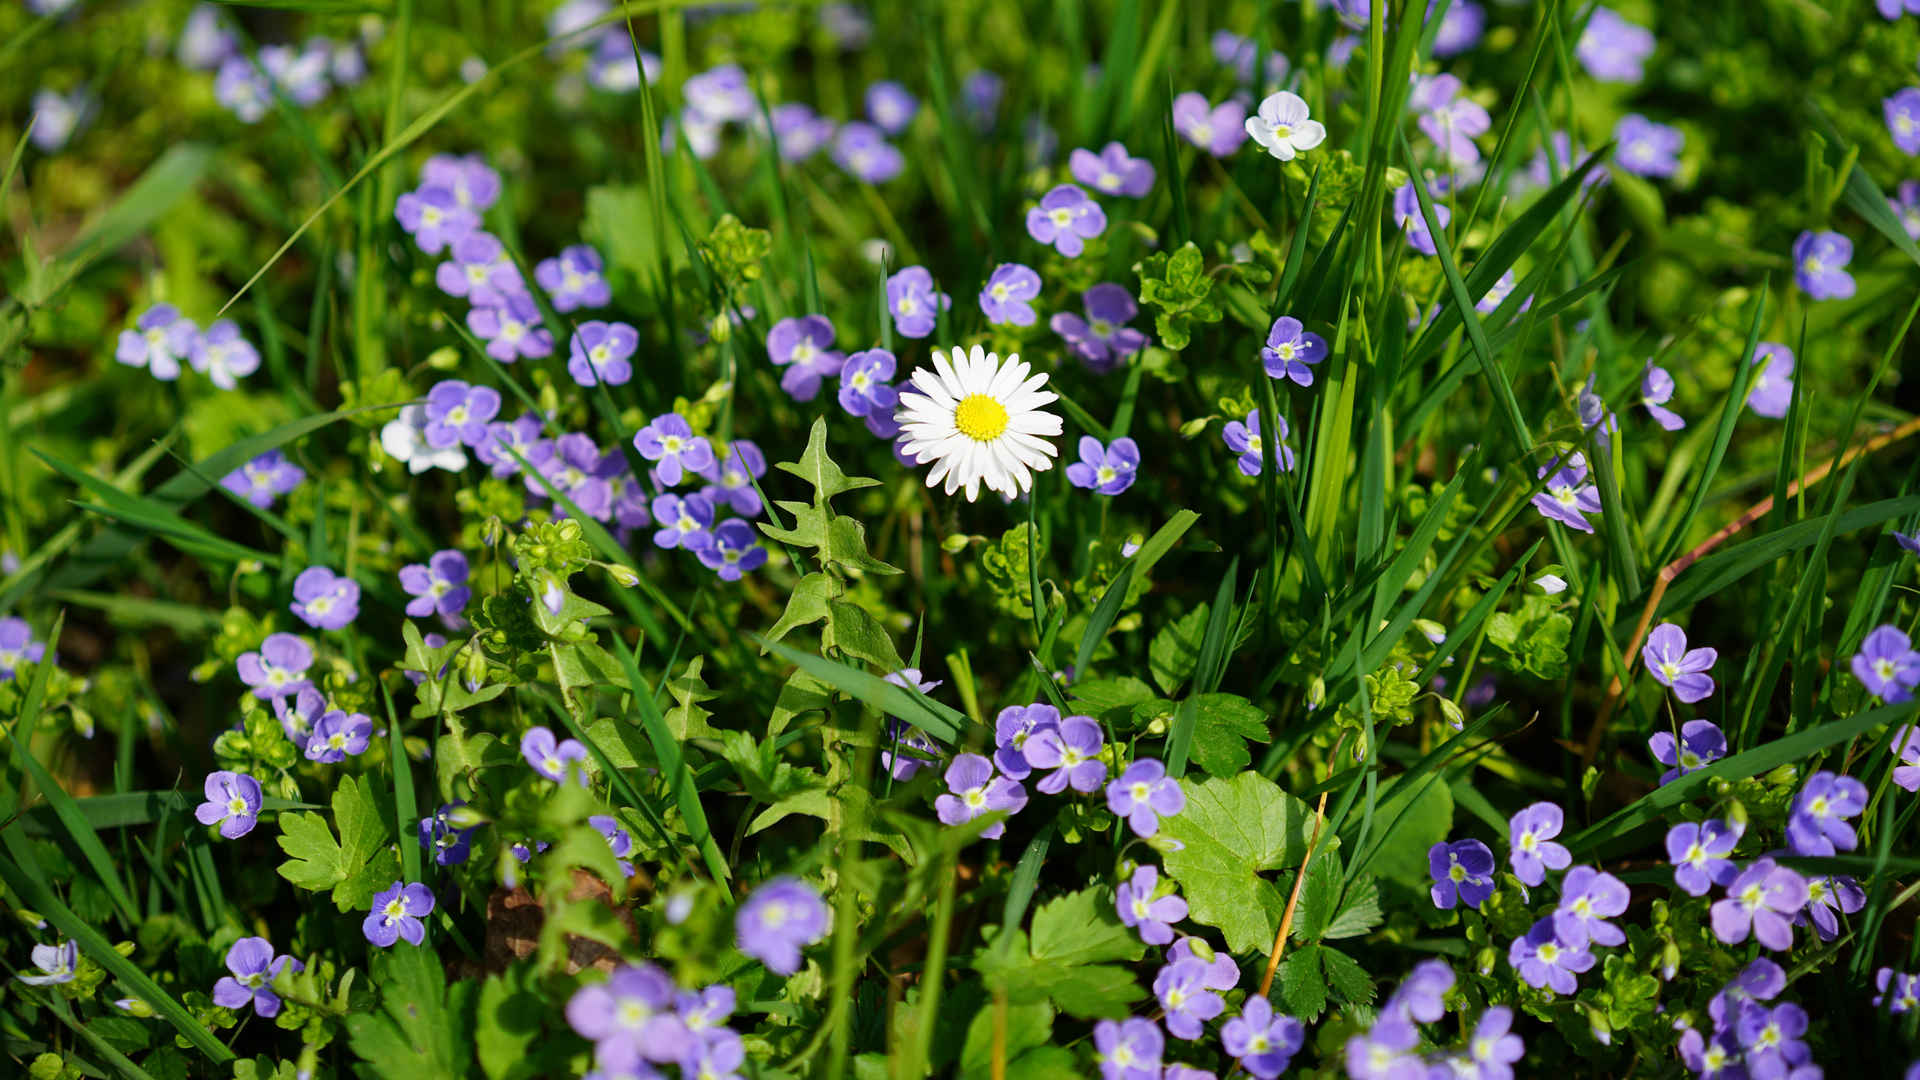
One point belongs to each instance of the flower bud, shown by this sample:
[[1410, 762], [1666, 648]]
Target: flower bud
[[622, 576], [1455, 718], [444, 359]]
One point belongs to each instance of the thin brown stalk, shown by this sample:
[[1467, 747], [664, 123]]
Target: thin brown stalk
[[1299, 879]]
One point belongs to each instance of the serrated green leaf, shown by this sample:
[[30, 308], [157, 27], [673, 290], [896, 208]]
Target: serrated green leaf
[[1232, 832], [1083, 928], [355, 866], [1346, 976], [816, 468], [1222, 726], [1302, 988]]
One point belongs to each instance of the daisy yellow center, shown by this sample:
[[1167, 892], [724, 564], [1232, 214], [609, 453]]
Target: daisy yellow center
[[980, 418]]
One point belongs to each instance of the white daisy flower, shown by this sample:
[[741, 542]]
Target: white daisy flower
[[978, 420], [1282, 126]]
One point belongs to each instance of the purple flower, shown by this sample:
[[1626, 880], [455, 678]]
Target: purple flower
[[222, 355], [1382, 1053], [437, 585], [1817, 825], [798, 131], [1112, 172], [1906, 750], [160, 339], [1903, 119], [279, 668], [1102, 339], [1645, 148], [1243, 438], [1222, 972], [573, 279], [731, 478], [890, 106], [396, 914], [1699, 855], [1181, 987], [1462, 872], [907, 750], [574, 465], [233, 803], [866, 155], [619, 841], [1262, 1041], [600, 351], [473, 183], [245, 91], [1066, 218], [435, 217], [1700, 745], [449, 845], [1887, 665], [1906, 206], [479, 270], [782, 917], [1219, 130], [1613, 49], [1497, 294], [1460, 30], [1144, 794], [1453, 125], [976, 791], [1128, 1049], [683, 520], [1238, 53], [730, 550], [670, 441], [1589, 897], [1555, 160], [1494, 1048], [1107, 470], [1072, 751], [17, 649], [511, 329], [254, 966], [1763, 898], [554, 759], [914, 303], [1899, 992], [1673, 665], [804, 346], [1423, 995], [1820, 265], [615, 69], [1291, 351], [1771, 1038], [866, 384], [720, 94], [705, 1012], [631, 1018], [980, 94], [1771, 392], [264, 479], [323, 600], [458, 413], [1013, 731], [1006, 296], [338, 735], [1533, 851], [1656, 389], [1154, 918], [1828, 898], [1543, 960], [1408, 216], [298, 712]]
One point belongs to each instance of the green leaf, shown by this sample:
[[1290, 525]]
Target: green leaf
[[358, 864], [416, 1030], [1222, 726], [1233, 831], [1026, 1026], [687, 720], [1302, 987], [510, 1023], [847, 546], [859, 635], [937, 720], [816, 468], [806, 604], [1089, 991], [1083, 928], [1346, 976]]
